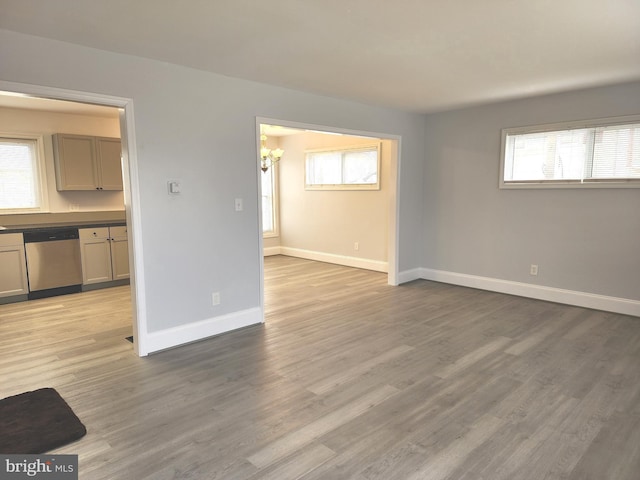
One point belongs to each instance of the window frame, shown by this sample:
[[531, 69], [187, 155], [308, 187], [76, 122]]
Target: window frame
[[274, 202], [565, 183], [346, 186], [40, 172]]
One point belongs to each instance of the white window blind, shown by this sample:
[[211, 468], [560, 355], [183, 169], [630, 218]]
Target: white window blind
[[581, 154], [19, 175], [348, 168], [616, 152]]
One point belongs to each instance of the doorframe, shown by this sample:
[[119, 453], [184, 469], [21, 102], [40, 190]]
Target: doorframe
[[131, 189], [394, 204]]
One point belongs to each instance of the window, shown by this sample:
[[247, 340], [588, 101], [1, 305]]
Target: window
[[269, 225], [355, 168], [602, 152], [21, 183]]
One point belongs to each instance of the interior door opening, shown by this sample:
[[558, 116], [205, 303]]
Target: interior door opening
[[352, 224], [34, 100]]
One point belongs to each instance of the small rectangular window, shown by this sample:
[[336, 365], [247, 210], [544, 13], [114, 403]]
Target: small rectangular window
[[269, 205], [603, 153], [354, 168], [21, 184]]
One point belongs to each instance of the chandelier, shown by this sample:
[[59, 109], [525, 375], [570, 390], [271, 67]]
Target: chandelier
[[268, 157]]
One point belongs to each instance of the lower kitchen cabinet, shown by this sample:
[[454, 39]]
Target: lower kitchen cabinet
[[119, 253], [105, 254], [13, 266]]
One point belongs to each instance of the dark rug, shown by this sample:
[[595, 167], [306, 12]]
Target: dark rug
[[37, 422]]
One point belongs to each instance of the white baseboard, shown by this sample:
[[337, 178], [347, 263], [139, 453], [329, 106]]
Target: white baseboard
[[268, 251], [173, 337], [409, 275], [570, 297], [356, 262]]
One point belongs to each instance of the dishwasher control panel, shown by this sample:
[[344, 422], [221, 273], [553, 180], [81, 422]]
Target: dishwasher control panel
[[51, 235]]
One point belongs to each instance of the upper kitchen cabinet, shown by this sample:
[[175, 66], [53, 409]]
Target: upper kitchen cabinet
[[87, 163]]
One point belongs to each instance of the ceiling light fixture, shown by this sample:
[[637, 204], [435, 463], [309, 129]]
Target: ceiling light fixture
[[268, 157]]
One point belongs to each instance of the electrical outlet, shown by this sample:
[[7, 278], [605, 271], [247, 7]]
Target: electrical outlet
[[356, 246], [215, 298], [533, 270]]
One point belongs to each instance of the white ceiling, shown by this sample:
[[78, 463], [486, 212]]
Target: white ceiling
[[417, 55]]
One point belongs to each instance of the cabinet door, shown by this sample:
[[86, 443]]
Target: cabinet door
[[119, 253], [75, 161], [96, 255], [13, 269], [109, 155]]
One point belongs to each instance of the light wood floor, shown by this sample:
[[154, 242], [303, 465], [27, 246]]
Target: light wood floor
[[348, 378]]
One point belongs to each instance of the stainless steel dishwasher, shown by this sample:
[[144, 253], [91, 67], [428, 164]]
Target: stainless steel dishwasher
[[54, 266]]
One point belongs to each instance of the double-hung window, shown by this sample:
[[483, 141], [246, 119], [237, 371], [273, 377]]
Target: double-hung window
[[603, 153], [269, 201], [353, 168], [22, 186]]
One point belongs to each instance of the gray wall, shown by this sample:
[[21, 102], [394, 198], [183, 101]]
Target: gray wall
[[200, 128], [586, 240]]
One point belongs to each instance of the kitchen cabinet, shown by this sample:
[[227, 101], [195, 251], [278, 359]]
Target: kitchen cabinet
[[105, 254], [13, 265], [87, 163], [119, 253]]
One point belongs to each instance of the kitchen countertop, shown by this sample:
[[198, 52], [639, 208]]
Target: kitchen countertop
[[49, 226]]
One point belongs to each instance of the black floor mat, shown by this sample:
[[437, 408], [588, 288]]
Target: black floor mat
[[36, 422]]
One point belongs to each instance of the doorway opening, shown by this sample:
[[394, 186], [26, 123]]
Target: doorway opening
[[118, 116], [352, 221]]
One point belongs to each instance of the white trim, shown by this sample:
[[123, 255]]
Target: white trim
[[365, 147], [268, 251], [191, 332], [393, 225], [356, 262], [570, 297], [574, 124], [275, 200], [131, 190], [41, 91], [260, 251], [41, 173], [133, 216], [623, 182], [409, 275]]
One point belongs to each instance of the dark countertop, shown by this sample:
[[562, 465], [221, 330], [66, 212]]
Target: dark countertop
[[49, 226]]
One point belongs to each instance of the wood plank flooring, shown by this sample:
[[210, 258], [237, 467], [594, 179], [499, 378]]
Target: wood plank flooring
[[348, 379]]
